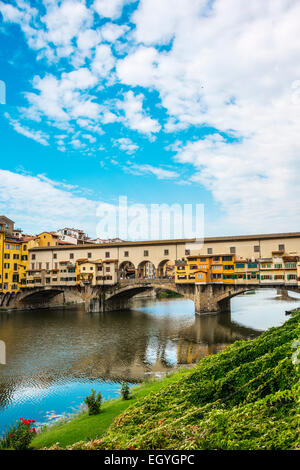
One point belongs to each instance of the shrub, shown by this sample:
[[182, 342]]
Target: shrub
[[125, 391], [19, 436], [93, 402]]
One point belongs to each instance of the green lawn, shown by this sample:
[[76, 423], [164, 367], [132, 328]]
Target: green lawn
[[84, 427]]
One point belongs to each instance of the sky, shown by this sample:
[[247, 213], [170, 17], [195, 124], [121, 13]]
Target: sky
[[162, 101]]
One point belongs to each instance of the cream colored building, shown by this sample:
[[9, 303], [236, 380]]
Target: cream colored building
[[160, 252]]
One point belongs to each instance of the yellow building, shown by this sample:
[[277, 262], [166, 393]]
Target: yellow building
[[246, 272], [14, 263], [96, 272], [44, 239], [192, 269]]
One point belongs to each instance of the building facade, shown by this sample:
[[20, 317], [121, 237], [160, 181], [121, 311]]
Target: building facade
[[220, 260]]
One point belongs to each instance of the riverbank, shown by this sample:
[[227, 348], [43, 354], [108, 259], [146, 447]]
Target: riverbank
[[245, 397], [85, 427]]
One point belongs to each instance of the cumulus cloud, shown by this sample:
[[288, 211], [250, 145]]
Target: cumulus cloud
[[135, 117], [126, 145], [110, 8], [47, 204]]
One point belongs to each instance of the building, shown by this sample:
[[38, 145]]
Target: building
[[6, 225], [97, 273], [72, 235], [13, 259], [236, 263]]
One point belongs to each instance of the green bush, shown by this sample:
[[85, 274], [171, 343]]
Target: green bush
[[125, 391], [93, 402]]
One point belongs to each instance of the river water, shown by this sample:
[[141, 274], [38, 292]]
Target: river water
[[55, 357]]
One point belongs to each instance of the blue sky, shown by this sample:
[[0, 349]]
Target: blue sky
[[193, 102]]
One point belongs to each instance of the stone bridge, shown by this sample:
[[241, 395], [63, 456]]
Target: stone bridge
[[208, 298]]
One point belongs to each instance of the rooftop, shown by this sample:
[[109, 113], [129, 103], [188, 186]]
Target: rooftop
[[206, 240]]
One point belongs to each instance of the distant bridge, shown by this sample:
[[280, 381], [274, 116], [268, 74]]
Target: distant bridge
[[208, 298]]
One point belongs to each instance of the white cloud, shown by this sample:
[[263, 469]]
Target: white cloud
[[110, 8], [47, 204], [36, 135], [135, 117], [103, 62], [146, 169], [63, 22], [110, 32], [231, 65], [126, 144]]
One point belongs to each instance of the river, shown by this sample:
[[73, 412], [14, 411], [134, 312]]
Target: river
[[54, 357]]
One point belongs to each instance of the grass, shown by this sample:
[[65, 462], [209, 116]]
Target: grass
[[84, 427], [243, 398]]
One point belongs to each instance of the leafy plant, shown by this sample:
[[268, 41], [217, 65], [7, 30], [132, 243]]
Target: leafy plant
[[125, 391], [19, 436], [93, 402]]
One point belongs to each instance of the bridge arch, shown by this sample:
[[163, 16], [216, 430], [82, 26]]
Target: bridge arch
[[40, 295], [166, 269], [146, 270], [127, 270]]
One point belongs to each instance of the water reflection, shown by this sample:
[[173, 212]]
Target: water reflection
[[54, 357]]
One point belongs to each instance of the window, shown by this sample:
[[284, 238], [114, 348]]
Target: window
[[15, 267], [209, 251], [16, 256], [32, 265], [55, 255], [256, 248], [107, 254], [32, 257], [108, 269], [278, 266], [6, 255], [166, 252], [89, 255], [47, 265], [146, 253], [126, 254], [71, 255], [239, 265], [40, 265], [290, 266], [187, 252], [227, 258], [281, 247], [232, 249], [252, 265], [25, 248]]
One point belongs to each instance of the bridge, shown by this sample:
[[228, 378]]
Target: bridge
[[208, 298]]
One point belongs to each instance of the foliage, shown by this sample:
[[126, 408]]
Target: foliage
[[125, 391], [245, 397], [19, 436], [93, 402]]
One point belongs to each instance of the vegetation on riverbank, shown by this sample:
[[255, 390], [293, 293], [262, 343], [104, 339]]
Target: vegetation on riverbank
[[85, 427], [245, 397], [168, 294]]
